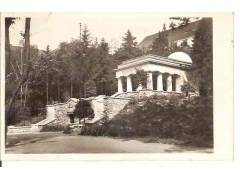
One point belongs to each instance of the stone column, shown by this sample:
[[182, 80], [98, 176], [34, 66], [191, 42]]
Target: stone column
[[159, 82], [169, 82], [179, 83], [120, 85], [50, 112], [129, 84], [149, 81]]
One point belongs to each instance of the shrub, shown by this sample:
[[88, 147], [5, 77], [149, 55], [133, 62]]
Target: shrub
[[53, 128], [93, 129], [188, 120], [90, 88], [83, 109], [67, 129]]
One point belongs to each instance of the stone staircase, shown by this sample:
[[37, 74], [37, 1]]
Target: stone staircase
[[44, 122]]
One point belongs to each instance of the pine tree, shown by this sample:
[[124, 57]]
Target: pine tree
[[202, 56], [103, 46], [85, 41], [128, 48], [105, 73], [160, 44], [129, 41], [164, 27], [48, 49]]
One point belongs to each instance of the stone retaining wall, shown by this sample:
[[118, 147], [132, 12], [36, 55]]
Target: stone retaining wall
[[23, 129], [103, 106], [98, 105], [62, 111], [115, 105]]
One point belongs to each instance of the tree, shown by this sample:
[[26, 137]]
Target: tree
[[8, 22], [172, 25], [187, 88], [85, 41], [160, 44], [128, 48], [139, 78], [182, 21], [83, 110], [21, 77], [90, 88], [202, 56], [164, 27], [129, 41]]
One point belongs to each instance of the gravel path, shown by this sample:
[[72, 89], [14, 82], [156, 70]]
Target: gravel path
[[90, 144]]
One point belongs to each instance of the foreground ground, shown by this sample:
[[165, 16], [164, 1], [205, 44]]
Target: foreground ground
[[60, 143]]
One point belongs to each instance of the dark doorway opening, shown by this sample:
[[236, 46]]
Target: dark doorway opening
[[71, 116], [124, 83], [174, 83], [164, 82], [155, 81]]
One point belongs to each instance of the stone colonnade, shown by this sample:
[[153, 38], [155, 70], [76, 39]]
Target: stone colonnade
[[173, 82]]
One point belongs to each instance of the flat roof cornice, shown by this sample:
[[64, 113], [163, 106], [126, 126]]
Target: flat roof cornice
[[153, 59]]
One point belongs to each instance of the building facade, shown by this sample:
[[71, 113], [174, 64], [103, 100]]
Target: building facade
[[169, 72]]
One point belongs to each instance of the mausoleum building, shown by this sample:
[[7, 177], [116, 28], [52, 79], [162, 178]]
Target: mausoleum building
[[163, 73]]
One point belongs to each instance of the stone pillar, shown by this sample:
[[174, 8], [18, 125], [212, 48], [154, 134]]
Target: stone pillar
[[169, 82], [129, 84], [159, 82], [50, 112], [149, 81], [120, 85], [179, 83]]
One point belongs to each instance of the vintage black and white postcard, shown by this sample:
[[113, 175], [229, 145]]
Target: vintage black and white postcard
[[117, 86]]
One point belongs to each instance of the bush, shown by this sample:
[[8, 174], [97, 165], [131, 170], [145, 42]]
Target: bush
[[67, 129], [53, 128], [83, 109], [93, 129], [188, 120]]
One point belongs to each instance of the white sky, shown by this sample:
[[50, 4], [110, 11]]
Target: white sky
[[53, 28]]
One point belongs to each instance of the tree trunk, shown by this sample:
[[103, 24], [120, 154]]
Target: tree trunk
[[8, 22], [71, 88], [58, 87], [27, 40], [24, 77], [25, 95], [47, 87]]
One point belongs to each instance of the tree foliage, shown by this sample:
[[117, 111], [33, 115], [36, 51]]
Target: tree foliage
[[181, 21], [90, 88], [202, 56], [170, 117], [83, 109], [160, 44], [187, 88], [139, 78], [128, 48]]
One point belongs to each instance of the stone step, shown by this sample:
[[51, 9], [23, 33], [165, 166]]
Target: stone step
[[44, 122]]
